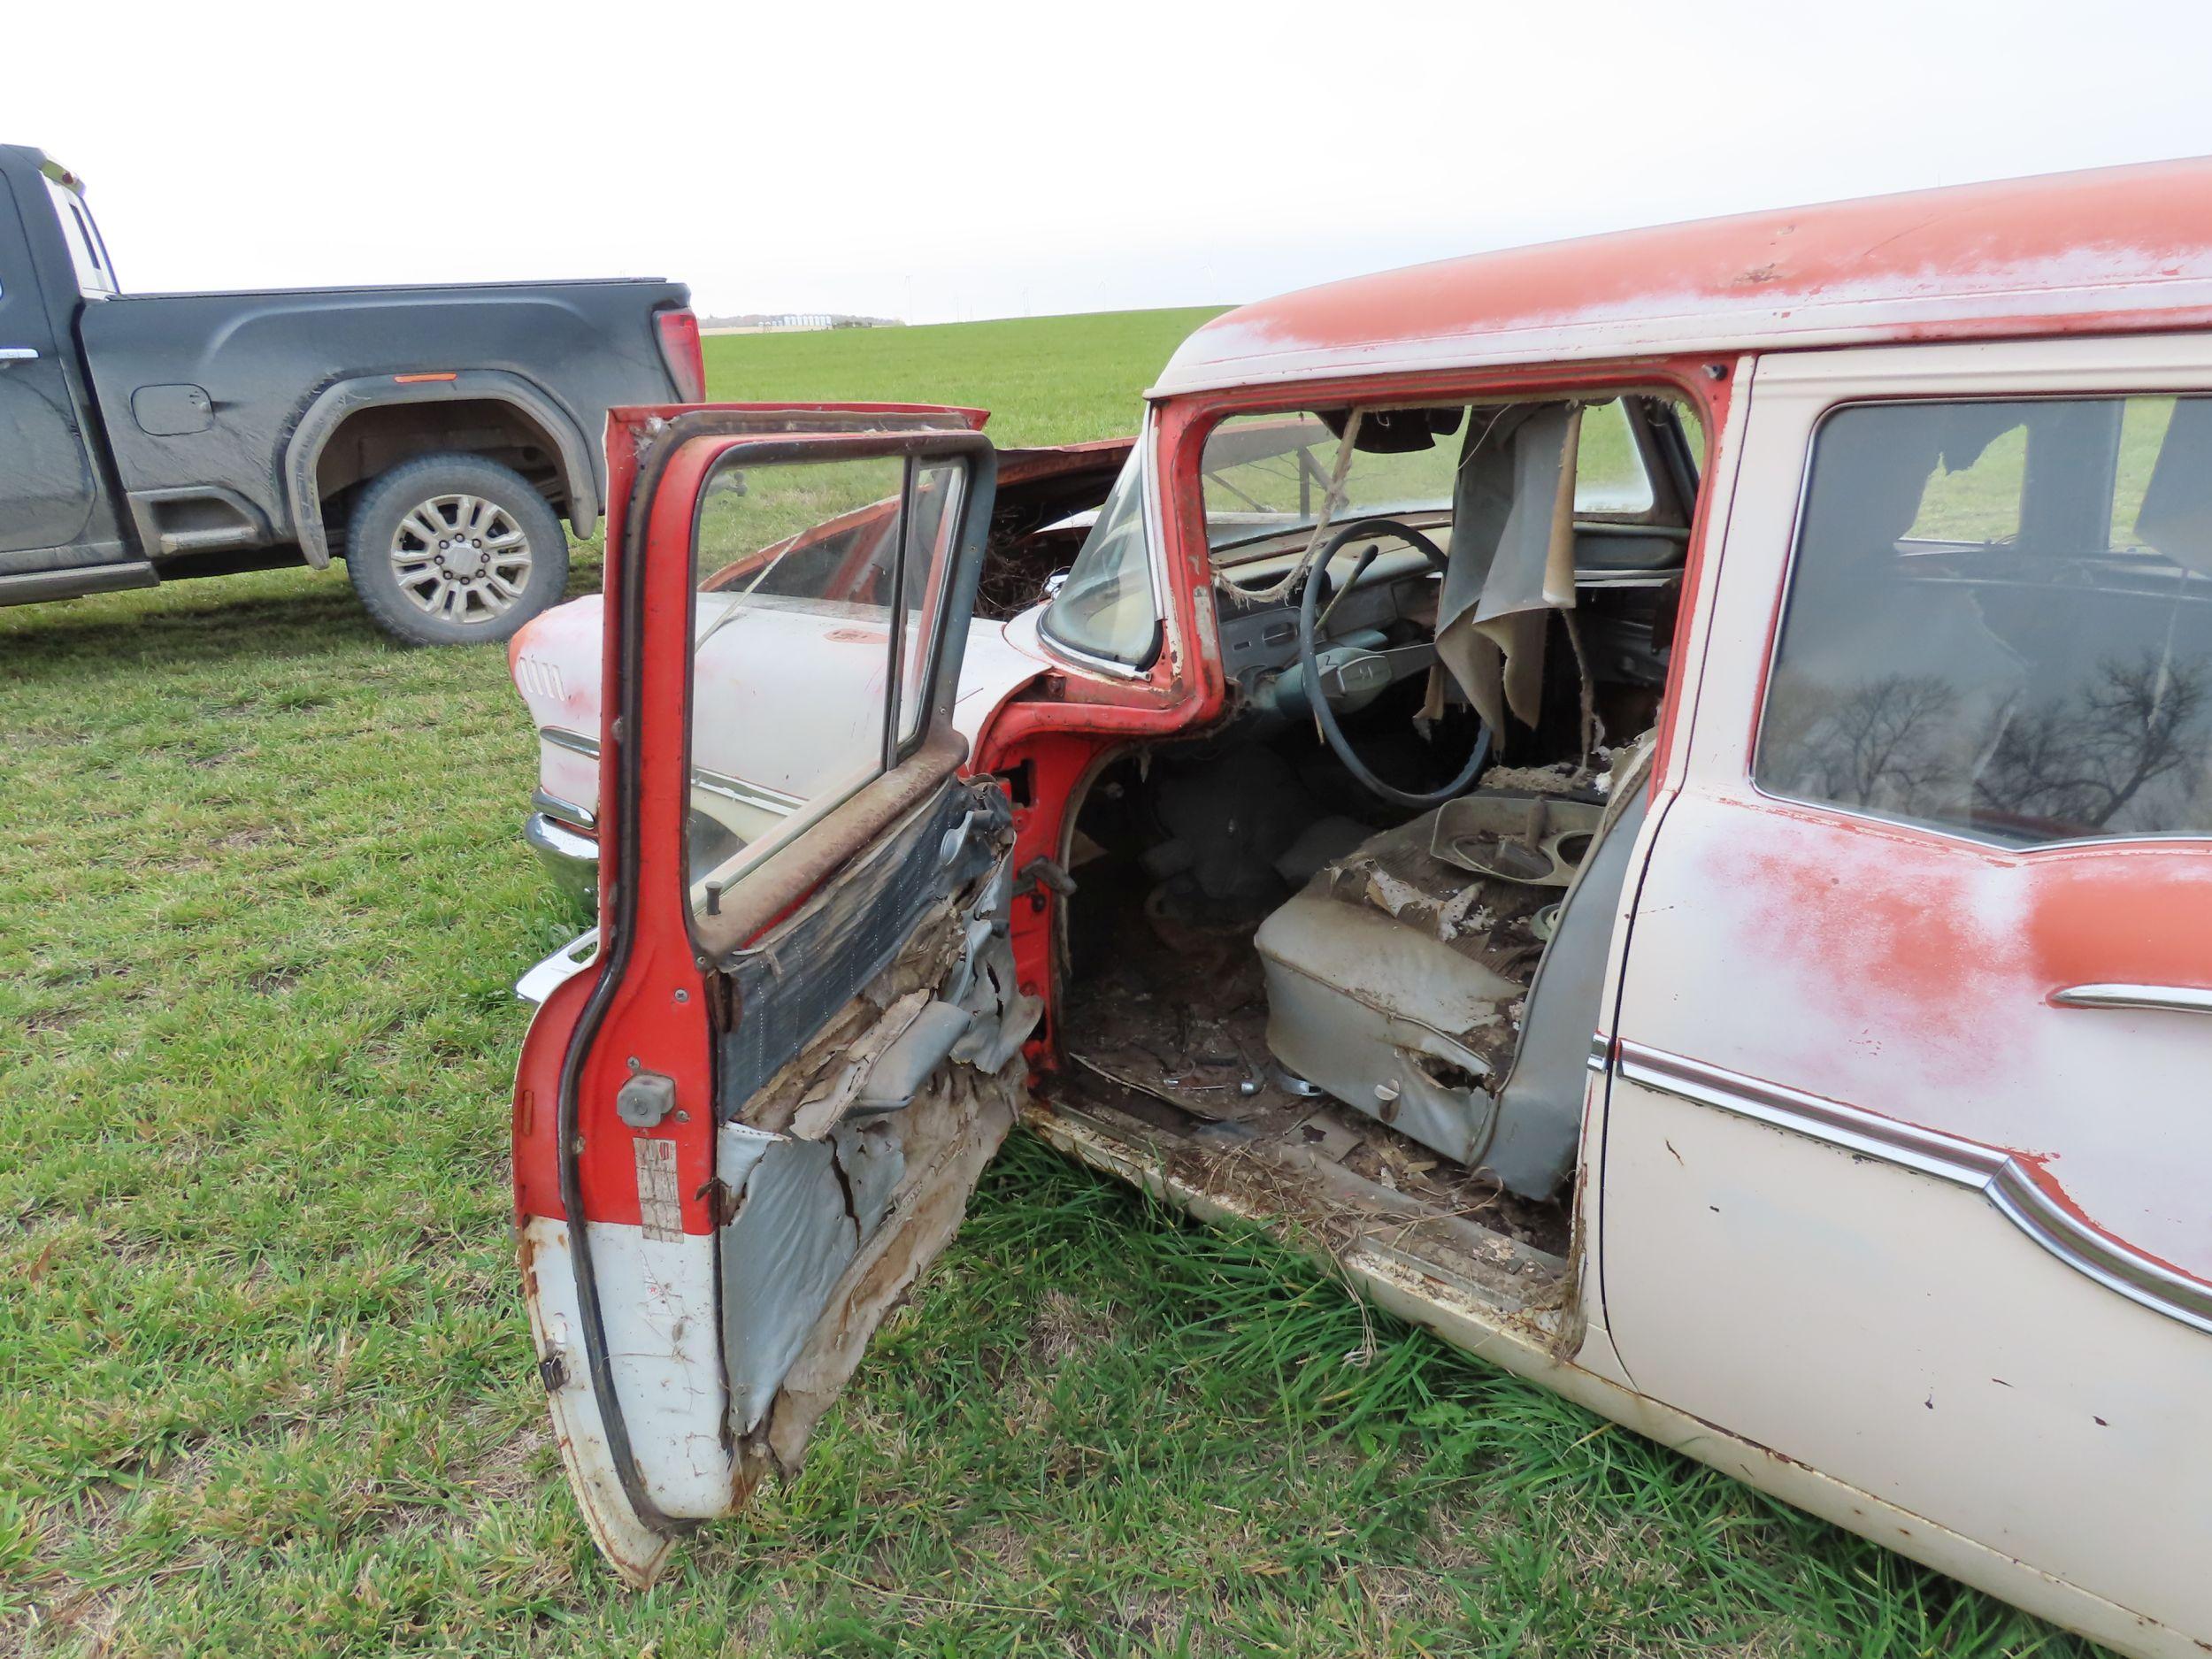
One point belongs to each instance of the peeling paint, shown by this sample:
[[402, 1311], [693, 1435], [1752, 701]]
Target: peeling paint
[[2120, 247]]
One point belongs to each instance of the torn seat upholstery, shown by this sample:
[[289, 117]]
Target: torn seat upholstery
[[1406, 984]]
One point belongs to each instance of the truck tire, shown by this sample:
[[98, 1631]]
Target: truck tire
[[454, 549]]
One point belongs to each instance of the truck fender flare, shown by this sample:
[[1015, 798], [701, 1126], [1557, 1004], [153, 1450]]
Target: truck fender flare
[[341, 398]]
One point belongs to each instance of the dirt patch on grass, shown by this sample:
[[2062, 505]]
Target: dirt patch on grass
[[511, 1472], [1062, 1329]]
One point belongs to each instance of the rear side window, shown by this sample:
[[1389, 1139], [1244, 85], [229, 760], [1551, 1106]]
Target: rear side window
[[94, 279], [1999, 620]]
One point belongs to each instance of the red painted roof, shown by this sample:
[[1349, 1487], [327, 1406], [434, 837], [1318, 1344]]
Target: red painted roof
[[2118, 248]]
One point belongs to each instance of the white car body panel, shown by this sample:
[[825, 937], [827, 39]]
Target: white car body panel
[[667, 1360], [1872, 1198], [797, 687]]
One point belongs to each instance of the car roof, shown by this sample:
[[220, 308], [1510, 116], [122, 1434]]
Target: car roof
[[2114, 249]]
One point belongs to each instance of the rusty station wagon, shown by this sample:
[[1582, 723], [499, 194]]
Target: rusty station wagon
[[1652, 794]]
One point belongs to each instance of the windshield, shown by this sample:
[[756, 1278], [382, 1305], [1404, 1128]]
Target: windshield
[[1266, 475], [1106, 608]]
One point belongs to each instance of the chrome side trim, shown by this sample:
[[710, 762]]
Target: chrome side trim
[[2179, 999], [1930, 1151], [2117, 1266], [747, 794], [1600, 1053], [2009, 1185], [729, 788], [557, 968], [564, 811]]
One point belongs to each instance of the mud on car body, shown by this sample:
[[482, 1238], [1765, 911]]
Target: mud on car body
[[1650, 795]]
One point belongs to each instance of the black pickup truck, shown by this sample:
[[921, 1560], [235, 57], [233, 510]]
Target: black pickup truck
[[431, 437]]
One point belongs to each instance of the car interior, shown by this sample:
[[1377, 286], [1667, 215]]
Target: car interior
[[1344, 951]]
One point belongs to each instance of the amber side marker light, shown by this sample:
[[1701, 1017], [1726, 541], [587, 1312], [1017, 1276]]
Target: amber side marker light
[[411, 379]]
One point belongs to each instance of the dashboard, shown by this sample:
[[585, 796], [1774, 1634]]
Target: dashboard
[[1260, 637]]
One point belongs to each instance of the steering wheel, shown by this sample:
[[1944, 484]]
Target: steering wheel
[[1370, 672]]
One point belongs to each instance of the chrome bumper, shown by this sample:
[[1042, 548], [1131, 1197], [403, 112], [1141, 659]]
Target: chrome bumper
[[573, 859]]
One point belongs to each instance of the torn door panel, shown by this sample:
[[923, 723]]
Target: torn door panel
[[846, 1168], [791, 984], [803, 1207], [952, 1130]]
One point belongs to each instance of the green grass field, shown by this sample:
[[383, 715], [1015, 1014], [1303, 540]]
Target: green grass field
[[265, 1383]]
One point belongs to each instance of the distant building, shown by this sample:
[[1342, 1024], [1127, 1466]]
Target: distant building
[[790, 322]]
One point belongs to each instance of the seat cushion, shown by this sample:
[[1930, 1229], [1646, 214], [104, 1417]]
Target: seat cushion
[[1390, 1020], [1394, 982]]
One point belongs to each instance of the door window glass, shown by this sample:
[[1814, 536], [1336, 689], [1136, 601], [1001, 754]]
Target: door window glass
[[802, 570], [934, 539], [1999, 619]]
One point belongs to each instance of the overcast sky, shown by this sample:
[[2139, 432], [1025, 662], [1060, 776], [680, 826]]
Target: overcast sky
[[939, 162]]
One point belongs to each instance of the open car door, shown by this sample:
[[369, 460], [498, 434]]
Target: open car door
[[743, 1128]]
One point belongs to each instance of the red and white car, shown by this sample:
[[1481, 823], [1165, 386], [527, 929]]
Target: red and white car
[[1651, 795]]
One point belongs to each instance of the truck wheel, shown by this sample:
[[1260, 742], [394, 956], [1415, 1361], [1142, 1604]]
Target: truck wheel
[[452, 549]]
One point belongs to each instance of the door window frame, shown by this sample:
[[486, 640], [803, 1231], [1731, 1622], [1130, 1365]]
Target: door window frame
[[789, 869], [915, 450], [1710, 384]]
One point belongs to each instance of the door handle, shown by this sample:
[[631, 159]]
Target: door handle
[[2180, 999], [17, 354]]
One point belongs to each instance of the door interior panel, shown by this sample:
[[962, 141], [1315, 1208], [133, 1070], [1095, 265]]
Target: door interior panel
[[847, 1144]]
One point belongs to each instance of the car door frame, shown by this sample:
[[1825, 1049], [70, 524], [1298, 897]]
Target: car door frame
[[96, 538], [646, 1003]]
